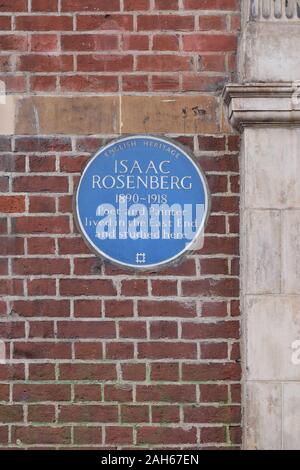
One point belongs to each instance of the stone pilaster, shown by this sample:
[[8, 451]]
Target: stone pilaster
[[265, 107]]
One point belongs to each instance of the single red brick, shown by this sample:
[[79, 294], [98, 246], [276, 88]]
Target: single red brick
[[213, 434], [235, 308], [77, 287], [236, 434], [214, 309], [212, 414], [119, 350], [11, 287], [87, 392], [113, 22], [134, 414], [166, 308], [14, 329], [163, 63], [43, 144], [134, 287], [87, 435], [89, 42], [44, 5], [135, 83], [166, 435], [160, 350], [87, 308], [9, 42], [163, 329], [204, 372], [13, 413], [88, 413], [40, 245], [42, 435], [165, 414], [211, 287], [44, 23], [132, 329], [212, 23], [4, 435], [41, 392], [135, 42], [45, 63], [119, 393], [197, 82], [55, 184], [213, 63], [118, 435], [41, 287], [165, 42], [166, 4], [209, 42], [165, 83], [41, 329], [165, 23], [13, 84], [134, 372], [3, 266], [11, 163], [4, 392], [40, 372], [214, 266], [83, 329], [11, 245], [12, 204], [87, 371], [211, 4], [214, 350], [134, 5], [166, 393], [42, 308], [91, 5], [227, 329], [42, 83], [67, 246], [235, 354], [88, 351], [104, 63], [165, 372], [236, 393], [44, 42], [164, 288], [5, 23], [42, 350], [12, 372], [33, 266], [41, 204], [95, 83], [118, 308]]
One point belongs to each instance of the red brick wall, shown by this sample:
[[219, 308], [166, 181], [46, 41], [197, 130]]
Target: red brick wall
[[97, 356]]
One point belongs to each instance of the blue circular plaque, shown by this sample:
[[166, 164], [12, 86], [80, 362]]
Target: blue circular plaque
[[142, 202]]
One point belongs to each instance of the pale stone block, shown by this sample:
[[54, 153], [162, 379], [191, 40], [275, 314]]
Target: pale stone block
[[291, 416], [178, 114], [291, 251], [263, 416], [261, 261], [272, 327], [270, 52], [68, 115], [272, 168]]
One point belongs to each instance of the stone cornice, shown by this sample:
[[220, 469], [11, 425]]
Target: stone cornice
[[271, 10], [263, 104]]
